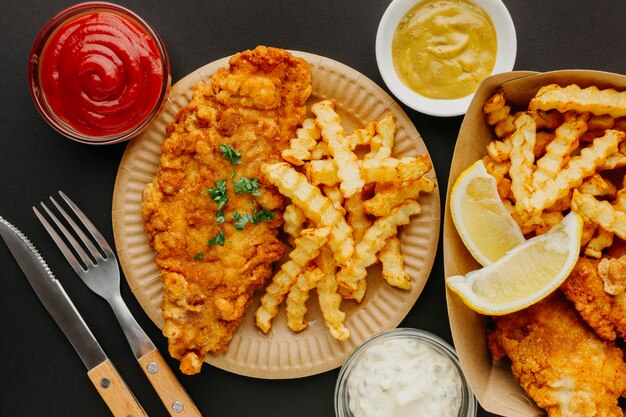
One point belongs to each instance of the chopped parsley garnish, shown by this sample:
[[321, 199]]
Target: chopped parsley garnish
[[241, 221], [247, 185], [258, 216], [233, 175], [218, 193], [220, 217], [229, 153], [217, 240], [262, 216], [199, 255]]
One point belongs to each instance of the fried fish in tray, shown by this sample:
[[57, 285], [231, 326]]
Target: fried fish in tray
[[559, 361], [210, 216]]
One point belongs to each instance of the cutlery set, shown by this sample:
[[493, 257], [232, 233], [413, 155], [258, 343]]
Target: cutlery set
[[95, 263]]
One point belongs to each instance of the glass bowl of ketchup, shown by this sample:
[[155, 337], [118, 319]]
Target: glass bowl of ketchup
[[98, 73]]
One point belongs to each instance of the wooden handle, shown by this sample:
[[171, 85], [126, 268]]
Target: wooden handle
[[114, 391], [173, 395]]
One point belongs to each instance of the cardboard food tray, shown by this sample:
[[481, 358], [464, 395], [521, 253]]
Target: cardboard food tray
[[493, 384], [282, 353]]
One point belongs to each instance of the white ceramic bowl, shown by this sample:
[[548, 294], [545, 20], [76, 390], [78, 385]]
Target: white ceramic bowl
[[505, 56]]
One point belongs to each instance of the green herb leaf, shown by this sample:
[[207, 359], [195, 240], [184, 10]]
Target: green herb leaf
[[262, 216], [233, 175], [241, 221], [199, 255], [218, 193], [229, 153], [217, 240], [247, 185], [220, 217]]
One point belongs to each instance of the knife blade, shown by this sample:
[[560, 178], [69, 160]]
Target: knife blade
[[100, 369]]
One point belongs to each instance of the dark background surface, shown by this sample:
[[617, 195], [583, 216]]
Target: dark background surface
[[41, 375]]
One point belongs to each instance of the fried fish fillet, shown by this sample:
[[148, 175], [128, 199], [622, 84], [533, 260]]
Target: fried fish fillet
[[604, 312], [559, 361], [212, 253]]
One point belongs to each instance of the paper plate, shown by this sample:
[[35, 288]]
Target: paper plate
[[283, 353]]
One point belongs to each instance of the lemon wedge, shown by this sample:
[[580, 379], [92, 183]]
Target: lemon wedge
[[481, 219], [526, 274]]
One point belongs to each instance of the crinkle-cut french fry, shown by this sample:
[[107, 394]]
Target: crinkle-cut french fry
[[617, 160], [590, 135], [546, 119], [602, 240], [372, 170], [558, 151], [335, 195], [320, 151], [579, 168], [572, 97], [295, 220], [562, 204], [362, 136], [522, 159], [300, 147], [499, 171], [495, 102], [598, 186], [357, 217], [620, 198], [505, 127], [600, 212], [382, 143], [333, 134], [372, 242], [549, 219], [542, 139], [620, 124], [307, 248], [329, 299], [356, 295], [316, 207], [295, 306], [390, 195], [601, 122], [589, 230], [499, 115], [500, 150], [496, 110], [393, 264]]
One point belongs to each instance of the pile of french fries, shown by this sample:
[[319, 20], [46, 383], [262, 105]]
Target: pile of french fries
[[562, 153], [348, 198]]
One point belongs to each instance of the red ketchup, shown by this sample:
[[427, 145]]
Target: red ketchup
[[101, 73]]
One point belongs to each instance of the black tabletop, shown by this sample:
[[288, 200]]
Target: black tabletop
[[41, 375]]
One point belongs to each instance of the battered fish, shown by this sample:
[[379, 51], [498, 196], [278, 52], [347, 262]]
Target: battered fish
[[604, 312], [210, 217], [559, 361]]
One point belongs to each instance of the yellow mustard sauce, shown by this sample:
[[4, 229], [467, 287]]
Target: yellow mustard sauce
[[444, 48]]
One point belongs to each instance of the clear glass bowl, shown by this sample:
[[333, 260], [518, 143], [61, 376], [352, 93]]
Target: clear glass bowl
[[34, 76], [468, 407]]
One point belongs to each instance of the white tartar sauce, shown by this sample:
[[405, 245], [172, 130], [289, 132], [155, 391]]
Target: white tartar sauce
[[404, 377]]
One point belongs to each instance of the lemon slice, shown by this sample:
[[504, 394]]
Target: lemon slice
[[526, 274], [481, 219]]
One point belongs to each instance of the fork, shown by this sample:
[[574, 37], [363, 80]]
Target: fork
[[99, 270]]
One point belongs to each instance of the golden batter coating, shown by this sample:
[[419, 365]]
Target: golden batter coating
[[212, 253]]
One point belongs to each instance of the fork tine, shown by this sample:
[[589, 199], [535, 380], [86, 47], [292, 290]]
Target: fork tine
[[90, 227], [83, 237], [78, 267]]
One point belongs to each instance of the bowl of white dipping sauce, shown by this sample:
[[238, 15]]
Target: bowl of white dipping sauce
[[403, 373]]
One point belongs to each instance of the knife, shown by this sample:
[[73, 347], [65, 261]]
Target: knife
[[100, 369]]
